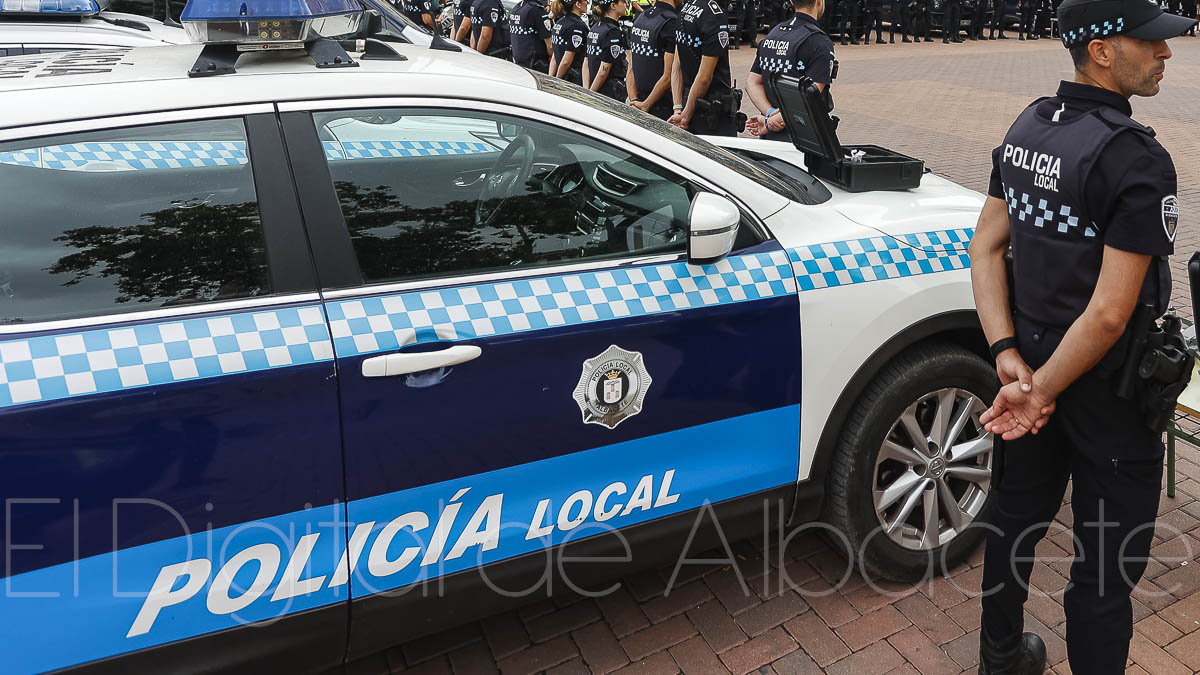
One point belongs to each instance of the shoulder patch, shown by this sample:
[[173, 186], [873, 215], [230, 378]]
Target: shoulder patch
[[615, 50], [576, 40], [549, 24], [715, 7], [723, 38], [1170, 216]]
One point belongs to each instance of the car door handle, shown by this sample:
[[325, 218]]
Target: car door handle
[[401, 364], [470, 178]]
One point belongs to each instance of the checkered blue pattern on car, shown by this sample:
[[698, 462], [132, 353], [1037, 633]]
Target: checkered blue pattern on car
[[130, 155], [65, 365], [1084, 34], [363, 326], [335, 150], [133, 156], [1045, 213], [52, 367], [856, 261]]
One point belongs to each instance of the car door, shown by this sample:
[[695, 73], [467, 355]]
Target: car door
[[525, 356], [168, 400]]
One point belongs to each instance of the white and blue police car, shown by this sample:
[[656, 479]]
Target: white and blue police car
[[289, 373]]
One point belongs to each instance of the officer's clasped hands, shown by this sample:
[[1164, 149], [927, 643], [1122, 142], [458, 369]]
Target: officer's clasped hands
[[1017, 408]]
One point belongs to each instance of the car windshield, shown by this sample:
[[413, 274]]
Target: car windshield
[[772, 179]]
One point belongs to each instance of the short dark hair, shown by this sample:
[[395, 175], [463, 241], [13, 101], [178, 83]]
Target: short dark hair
[[1079, 55], [803, 4]]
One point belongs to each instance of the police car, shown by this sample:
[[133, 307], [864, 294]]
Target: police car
[[37, 26], [288, 376]]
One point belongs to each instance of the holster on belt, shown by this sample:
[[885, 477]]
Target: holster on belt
[[1157, 366], [717, 108]]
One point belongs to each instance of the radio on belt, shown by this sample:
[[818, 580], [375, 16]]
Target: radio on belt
[[228, 27], [855, 168]]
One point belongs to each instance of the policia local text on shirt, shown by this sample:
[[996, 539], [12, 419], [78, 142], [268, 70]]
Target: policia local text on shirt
[[1087, 198]]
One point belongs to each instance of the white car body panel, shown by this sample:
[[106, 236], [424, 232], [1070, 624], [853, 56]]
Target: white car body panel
[[88, 33]]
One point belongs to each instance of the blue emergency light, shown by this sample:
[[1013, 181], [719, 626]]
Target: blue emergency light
[[50, 7], [268, 24]]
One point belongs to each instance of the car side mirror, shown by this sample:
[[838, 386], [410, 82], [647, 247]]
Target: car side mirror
[[712, 228]]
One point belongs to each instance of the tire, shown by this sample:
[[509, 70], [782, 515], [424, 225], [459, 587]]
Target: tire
[[871, 484]]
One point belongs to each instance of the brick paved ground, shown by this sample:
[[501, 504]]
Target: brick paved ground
[[949, 105]]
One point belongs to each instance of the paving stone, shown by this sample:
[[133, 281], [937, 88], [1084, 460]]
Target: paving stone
[[923, 653], [761, 618], [817, 640], [437, 644], [964, 650], [933, 622], [1186, 650], [695, 656], [879, 658], [758, 652], [539, 657], [575, 666], [832, 607], [658, 664], [659, 636], [599, 648], [622, 612], [871, 627], [678, 600], [732, 590], [1151, 657], [1184, 615], [967, 614], [562, 621], [474, 658], [1157, 630], [796, 663], [505, 634], [716, 626]]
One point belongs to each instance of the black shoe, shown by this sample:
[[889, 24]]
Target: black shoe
[[1019, 37], [905, 40], [945, 41], [1002, 37], [854, 42], [880, 41], [1027, 657], [844, 43], [929, 39], [958, 40]]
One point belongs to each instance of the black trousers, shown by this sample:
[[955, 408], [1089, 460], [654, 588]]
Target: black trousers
[[921, 20], [848, 25], [1115, 463], [979, 18], [873, 18], [998, 17], [951, 19], [1028, 14], [900, 19]]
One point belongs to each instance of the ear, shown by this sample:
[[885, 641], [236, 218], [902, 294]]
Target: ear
[[1103, 53]]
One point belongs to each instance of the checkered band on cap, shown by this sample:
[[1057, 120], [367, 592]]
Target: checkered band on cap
[[1095, 31]]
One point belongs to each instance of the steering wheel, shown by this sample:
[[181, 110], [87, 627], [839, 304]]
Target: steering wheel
[[502, 182]]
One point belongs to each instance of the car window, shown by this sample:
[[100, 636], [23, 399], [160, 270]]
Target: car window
[[129, 219], [772, 180], [430, 193]]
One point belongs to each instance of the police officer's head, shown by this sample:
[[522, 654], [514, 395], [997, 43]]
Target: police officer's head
[[612, 8], [814, 8], [1120, 44], [559, 8]]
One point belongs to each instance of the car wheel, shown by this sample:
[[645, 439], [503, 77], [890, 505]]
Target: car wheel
[[913, 467]]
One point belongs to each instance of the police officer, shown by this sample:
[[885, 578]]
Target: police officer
[[1087, 198], [420, 11], [702, 60], [1189, 11], [951, 21], [924, 16], [902, 11], [489, 29], [606, 64], [530, 35], [998, 9], [568, 39], [653, 56], [1027, 10], [848, 21], [462, 21], [979, 10], [873, 18], [796, 47]]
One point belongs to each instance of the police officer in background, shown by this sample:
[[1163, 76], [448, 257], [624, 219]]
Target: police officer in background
[[873, 18], [606, 64], [462, 21], [489, 29], [568, 39], [530, 35], [951, 21], [848, 21], [998, 9], [979, 10], [1087, 198], [902, 11], [1027, 10], [653, 57], [796, 47], [419, 11], [702, 63], [923, 15]]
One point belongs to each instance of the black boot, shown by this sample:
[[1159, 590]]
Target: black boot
[[1026, 657], [905, 40], [1002, 36]]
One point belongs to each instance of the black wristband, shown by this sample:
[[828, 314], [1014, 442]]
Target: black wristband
[[1003, 344]]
